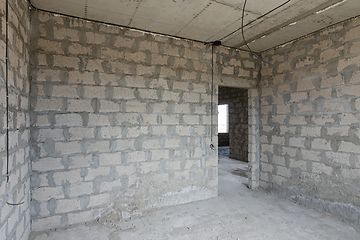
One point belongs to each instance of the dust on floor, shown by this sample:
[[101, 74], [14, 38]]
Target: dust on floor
[[238, 213]]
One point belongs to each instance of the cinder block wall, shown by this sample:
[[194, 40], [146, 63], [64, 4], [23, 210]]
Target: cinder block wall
[[223, 139], [237, 99], [15, 219], [121, 120], [310, 109]]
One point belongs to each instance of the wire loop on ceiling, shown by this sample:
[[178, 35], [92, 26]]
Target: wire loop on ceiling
[[242, 27], [258, 18]]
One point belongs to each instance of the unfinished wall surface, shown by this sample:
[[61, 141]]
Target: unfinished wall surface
[[14, 219], [237, 99], [310, 109], [254, 138], [223, 139], [121, 120]]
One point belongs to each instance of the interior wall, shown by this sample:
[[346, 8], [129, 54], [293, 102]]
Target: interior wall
[[88, 156], [121, 119], [310, 105], [254, 138], [238, 135], [223, 139], [14, 219]]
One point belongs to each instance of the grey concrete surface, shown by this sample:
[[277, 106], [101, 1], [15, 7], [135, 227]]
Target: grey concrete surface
[[211, 20], [238, 213], [224, 151]]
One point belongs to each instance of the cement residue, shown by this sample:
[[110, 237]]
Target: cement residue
[[238, 213], [132, 204]]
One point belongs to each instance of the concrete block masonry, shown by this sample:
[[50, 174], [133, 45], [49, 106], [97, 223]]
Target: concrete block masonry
[[121, 120], [14, 220], [310, 122]]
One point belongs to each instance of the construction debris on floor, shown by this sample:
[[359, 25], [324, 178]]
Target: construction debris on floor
[[238, 213]]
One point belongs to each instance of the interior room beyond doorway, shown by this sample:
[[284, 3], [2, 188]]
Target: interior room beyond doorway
[[233, 123]]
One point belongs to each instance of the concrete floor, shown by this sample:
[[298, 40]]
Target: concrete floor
[[238, 213], [224, 151]]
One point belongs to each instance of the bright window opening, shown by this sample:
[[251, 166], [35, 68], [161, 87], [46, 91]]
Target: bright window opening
[[223, 118]]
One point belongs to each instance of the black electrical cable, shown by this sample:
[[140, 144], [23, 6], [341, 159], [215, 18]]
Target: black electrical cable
[[116, 25], [133, 28], [311, 33], [7, 89], [7, 99], [242, 33], [14, 204], [212, 93], [258, 18]]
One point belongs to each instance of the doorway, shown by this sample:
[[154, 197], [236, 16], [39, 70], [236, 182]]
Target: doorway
[[233, 138], [233, 126]]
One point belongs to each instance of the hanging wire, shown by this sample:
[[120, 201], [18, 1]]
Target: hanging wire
[[7, 100], [242, 33], [7, 89], [258, 18], [212, 94]]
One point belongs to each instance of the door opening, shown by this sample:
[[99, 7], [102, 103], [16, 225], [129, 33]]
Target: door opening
[[233, 134], [233, 123]]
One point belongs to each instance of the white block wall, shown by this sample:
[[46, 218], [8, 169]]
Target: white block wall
[[310, 121], [15, 219], [121, 117]]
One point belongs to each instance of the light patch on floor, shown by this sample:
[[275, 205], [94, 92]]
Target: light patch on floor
[[238, 213]]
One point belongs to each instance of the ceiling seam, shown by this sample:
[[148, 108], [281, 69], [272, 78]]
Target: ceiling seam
[[214, 1], [225, 27], [135, 11], [207, 7], [285, 24], [310, 34], [235, 8], [228, 5], [132, 28], [196, 15], [260, 17], [86, 8]]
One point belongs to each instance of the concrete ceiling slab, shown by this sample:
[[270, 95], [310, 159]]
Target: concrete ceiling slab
[[211, 20], [72, 8], [116, 12], [258, 7], [295, 29], [172, 18]]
